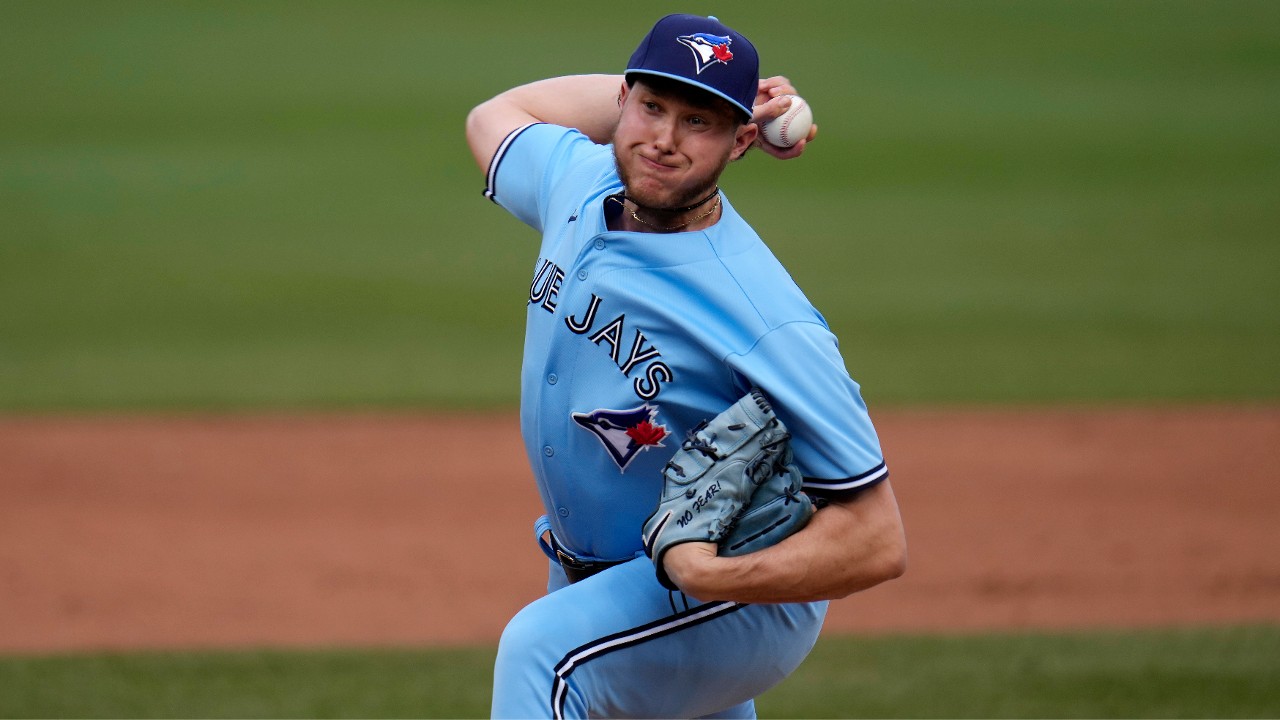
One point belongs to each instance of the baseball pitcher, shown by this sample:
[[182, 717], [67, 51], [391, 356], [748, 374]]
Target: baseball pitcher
[[709, 471]]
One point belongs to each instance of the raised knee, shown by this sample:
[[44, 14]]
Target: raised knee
[[524, 673], [529, 639]]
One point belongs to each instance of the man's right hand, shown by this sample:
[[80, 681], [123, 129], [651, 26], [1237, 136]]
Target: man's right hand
[[771, 104]]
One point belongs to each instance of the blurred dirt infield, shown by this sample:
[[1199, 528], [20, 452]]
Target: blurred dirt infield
[[401, 529]]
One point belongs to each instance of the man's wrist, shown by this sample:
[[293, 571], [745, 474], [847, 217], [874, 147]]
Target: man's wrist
[[691, 567]]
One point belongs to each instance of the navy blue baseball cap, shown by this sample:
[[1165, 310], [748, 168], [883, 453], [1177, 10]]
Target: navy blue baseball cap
[[703, 52]]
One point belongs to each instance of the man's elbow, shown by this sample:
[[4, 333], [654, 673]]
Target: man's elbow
[[478, 117], [885, 565], [890, 561], [895, 560], [475, 134]]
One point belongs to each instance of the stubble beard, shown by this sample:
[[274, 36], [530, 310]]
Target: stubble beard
[[675, 199]]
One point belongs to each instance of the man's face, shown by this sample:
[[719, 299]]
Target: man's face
[[670, 152]]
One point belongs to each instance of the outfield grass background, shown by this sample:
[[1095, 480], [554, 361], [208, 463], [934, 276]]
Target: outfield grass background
[[241, 205], [248, 206], [1206, 673]]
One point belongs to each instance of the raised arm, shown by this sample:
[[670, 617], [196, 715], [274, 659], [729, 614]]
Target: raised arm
[[585, 102], [589, 103]]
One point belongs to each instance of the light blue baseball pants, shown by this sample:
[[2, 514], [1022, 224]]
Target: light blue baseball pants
[[618, 644]]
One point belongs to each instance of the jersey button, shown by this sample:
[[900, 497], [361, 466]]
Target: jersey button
[[548, 451], [599, 243], [582, 274], [552, 379], [563, 512]]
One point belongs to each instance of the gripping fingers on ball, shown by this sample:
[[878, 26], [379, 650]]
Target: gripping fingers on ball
[[772, 87], [770, 110]]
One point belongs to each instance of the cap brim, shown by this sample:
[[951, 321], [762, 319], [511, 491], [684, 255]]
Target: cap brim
[[746, 111]]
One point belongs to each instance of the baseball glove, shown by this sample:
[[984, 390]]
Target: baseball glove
[[732, 482]]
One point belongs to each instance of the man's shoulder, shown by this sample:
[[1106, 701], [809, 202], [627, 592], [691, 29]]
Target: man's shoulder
[[539, 162], [759, 275], [553, 143], [742, 251]]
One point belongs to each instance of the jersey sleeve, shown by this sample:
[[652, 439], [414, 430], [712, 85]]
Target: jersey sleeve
[[801, 371], [529, 165]]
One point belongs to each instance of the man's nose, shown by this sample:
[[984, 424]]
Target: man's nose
[[665, 136]]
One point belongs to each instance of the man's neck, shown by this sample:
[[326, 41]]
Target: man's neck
[[629, 216]]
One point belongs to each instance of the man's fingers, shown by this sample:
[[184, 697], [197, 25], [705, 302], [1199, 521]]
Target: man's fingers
[[775, 86], [771, 109]]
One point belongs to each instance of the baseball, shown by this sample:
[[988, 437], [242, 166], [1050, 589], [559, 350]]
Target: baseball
[[792, 126]]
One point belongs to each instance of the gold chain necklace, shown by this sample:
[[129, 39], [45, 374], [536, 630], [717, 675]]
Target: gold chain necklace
[[668, 228]]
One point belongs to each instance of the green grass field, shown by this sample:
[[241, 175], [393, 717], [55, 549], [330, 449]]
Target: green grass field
[[242, 205], [238, 205], [1221, 673]]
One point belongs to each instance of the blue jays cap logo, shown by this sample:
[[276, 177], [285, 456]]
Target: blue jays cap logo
[[732, 59], [708, 49], [625, 433]]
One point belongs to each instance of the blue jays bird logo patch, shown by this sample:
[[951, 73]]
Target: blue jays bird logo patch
[[625, 433], [708, 49]]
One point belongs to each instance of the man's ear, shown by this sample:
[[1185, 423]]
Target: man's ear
[[745, 138], [622, 93]]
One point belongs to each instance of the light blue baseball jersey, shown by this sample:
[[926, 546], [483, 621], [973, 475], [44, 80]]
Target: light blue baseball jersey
[[632, 339]]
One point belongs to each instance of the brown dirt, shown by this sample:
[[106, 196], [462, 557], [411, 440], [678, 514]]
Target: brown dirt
[[124, 533]]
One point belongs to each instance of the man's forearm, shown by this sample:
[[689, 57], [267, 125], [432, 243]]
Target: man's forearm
[[847, 547]]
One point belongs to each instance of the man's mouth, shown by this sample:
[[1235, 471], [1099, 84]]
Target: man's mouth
[[656, 164]]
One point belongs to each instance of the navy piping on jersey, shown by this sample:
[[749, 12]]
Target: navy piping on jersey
[[628, 638], [491, 178], [870, 477]]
